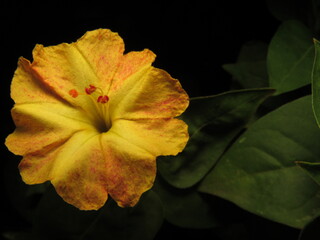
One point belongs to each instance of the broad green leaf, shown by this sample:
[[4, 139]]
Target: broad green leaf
[[250, 70], [312, 169], [311, 231], [185, 208], [316, 82], [290, 57], [259, 173], [56, 219], [213, 123]]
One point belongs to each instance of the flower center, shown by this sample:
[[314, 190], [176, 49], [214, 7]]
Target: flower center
[[101, 105]]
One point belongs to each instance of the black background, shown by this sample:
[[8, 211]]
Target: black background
[[191, 39]]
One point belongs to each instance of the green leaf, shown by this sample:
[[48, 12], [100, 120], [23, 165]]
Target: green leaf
[[185, 208], [250, 70], [213, 123], [316, 82], [259, 173], [312, 169], [55, 219], [311, 231], [290, 57]]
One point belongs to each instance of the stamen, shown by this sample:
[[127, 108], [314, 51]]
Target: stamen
[[91, 89], [73, 93], [103, 99]]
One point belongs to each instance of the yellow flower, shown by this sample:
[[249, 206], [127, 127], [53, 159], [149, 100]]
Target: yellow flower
[[92, 120]]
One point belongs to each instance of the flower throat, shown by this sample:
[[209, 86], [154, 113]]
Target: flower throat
[[100, 102]]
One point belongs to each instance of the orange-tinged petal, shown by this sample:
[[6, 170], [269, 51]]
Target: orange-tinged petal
[[42, 126], [79, 171], [131, 63], [162, 136], [93, 59], [150, 93], [76, 169], [36, 167], [103, 50], [89, 166], [130, 170], [26, 86]]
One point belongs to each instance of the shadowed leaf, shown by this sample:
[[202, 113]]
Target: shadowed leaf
[[56, 219], [259, 172], [185, 207], [250, 70], [213, 123], [290, 57]]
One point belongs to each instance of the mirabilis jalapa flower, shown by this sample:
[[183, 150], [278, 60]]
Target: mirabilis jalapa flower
[[92, 120]]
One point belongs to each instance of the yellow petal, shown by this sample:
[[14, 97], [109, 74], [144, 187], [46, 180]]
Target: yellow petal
[[26, 86], [89, 166], [150, 93], [93, 59], [43, 126], [157, 136], [131, 64], [130, 170], [76, 169], [102, 50], [36, 168], [79, 171]]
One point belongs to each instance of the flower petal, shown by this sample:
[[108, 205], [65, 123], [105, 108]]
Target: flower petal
[[43, 126], [158, 136], [150, 93], [131, 63], [89, 166], [26, 87], [79, 172], [102, 50], [36, 168], [93, 59], [130, 170]]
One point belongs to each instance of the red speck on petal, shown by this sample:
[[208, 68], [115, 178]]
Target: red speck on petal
[[73, 93], [103, 99]]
